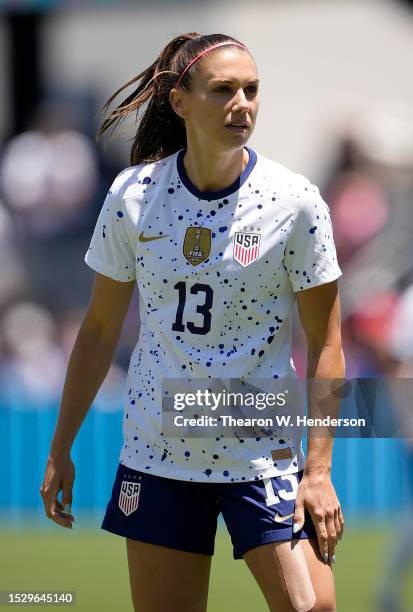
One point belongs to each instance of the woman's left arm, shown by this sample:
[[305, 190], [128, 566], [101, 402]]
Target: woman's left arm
[[319, 310]]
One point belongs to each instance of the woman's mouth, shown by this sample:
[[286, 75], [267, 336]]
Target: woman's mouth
[[237, 127]]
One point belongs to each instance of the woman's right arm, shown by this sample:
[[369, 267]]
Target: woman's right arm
[[89, 364]]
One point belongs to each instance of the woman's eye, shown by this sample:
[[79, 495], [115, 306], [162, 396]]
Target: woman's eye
[[251, 89]]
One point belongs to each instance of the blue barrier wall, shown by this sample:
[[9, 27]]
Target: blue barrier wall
[[371, 476]]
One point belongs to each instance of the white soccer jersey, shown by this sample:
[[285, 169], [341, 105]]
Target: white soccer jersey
[[216, 274]]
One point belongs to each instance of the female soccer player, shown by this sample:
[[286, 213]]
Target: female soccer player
[[220, 241]]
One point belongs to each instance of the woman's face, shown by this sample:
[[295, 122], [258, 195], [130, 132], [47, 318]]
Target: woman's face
[[221, 107]]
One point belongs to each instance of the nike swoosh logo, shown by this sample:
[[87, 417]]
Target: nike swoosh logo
[[143, 238], [281, 519]]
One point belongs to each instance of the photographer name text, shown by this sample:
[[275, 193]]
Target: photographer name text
[[277, 421]]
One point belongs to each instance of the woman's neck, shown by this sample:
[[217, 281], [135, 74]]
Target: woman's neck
[[214, 171]]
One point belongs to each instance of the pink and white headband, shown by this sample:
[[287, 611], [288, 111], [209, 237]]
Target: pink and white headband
[[221, 44]]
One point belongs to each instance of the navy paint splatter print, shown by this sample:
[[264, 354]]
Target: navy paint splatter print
[[246, 324]]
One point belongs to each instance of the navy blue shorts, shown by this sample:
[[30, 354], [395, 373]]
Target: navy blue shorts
[[183, 515]]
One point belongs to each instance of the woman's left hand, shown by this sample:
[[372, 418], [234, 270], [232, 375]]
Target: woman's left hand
[[317, 494]]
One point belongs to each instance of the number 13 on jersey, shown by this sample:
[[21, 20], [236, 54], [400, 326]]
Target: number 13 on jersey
[[203, 308]]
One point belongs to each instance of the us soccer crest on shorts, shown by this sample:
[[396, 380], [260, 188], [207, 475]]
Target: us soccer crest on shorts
[[246, 247], [129, 496]]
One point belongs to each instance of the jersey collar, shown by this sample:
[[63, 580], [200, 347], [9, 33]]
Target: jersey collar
[[222, 193]]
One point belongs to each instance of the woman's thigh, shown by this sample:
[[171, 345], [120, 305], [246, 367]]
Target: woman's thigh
[[292, 576], [167, 580]]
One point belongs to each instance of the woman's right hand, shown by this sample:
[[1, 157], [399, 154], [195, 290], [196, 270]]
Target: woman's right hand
[[59, 475]]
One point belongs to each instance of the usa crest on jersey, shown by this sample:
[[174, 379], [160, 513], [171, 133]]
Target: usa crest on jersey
[[246, 247], [129, 496]]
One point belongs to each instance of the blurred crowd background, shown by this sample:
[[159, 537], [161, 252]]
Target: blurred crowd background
[[336, 105]]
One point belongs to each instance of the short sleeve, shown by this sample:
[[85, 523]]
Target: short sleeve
[[111, 252], [310, 256]]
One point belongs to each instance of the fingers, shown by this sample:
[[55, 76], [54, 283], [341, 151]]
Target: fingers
[[67, 500], [327, 532], [341, 521], [322, 535], [319, 498], [328, 529], [59, 512], [64, 512], [299, 517], [331, 536], [53, 507], [338, 523]]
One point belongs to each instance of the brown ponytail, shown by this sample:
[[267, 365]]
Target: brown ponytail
[[160, 131]]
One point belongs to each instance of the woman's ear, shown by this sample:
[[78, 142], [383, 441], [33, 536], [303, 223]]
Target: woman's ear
[[177, 101]]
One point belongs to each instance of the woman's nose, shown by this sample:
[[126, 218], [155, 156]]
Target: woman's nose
[[240, 100]]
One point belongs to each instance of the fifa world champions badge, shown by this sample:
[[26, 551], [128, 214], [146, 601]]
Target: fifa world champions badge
[[197, 244], [246, 248], [129, 497]]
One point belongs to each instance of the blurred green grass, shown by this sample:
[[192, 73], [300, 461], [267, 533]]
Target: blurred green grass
[[93, 563]]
